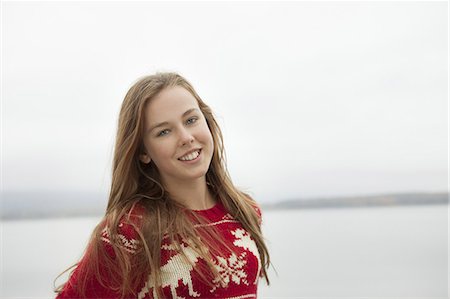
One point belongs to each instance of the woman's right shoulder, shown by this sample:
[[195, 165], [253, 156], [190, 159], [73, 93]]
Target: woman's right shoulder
[[127, 235]]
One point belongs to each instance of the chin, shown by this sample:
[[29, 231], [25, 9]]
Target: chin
[[199, 175]]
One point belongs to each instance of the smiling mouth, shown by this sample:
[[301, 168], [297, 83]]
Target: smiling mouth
[[191, 156]]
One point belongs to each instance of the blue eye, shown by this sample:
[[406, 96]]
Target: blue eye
[[191, 120], [163, 132]]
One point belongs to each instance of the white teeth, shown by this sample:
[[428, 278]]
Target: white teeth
[[191, 156]]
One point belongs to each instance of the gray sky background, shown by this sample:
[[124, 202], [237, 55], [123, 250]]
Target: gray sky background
[[314, 98]]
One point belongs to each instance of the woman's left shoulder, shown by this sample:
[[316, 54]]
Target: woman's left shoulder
[[255, 206]]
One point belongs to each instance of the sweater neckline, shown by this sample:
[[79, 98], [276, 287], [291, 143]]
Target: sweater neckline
[[212, 209]]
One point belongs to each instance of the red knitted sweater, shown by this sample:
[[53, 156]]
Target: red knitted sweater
[[239, 271]]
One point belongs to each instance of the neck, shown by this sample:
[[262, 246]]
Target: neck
[[194, 194]]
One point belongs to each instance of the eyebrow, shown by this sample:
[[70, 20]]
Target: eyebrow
[[165, 123]]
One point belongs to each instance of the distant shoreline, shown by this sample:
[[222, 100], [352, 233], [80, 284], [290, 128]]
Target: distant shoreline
[[384, 200], [38, 205]]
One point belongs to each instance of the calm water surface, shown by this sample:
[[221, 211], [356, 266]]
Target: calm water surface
[[327, 253]]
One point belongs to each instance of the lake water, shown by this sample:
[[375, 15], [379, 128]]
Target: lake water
[[377, 252]]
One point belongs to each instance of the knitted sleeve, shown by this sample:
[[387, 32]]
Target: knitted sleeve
[[259, 212], [255, 206], [94, 289]]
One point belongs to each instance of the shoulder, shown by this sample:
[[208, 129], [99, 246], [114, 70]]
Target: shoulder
[[258, 212], [254, 205], [125, 234]]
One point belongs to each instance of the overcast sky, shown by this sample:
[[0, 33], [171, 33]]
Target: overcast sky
[[314, 98]]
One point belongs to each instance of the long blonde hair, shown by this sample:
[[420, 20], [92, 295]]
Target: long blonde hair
[[135, 183]]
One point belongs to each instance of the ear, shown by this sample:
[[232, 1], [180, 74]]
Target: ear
[[145, 158]]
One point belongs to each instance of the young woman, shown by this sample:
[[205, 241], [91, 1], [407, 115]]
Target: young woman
[[175, 225]]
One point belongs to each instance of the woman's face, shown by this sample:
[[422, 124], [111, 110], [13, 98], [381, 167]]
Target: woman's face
[[176, 136]]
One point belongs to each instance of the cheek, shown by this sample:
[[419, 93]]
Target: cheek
[[208, 139], [160, 152], [211, 140]]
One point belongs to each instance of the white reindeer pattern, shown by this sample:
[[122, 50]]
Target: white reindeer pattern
[[170, 278], [177, 268]]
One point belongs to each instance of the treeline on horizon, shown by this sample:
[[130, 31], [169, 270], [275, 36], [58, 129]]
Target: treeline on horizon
[[35, 205]]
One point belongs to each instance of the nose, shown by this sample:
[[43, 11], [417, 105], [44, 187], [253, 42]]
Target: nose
[[185, 137]]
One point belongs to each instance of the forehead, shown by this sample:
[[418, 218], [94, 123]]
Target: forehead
[[169, 104]]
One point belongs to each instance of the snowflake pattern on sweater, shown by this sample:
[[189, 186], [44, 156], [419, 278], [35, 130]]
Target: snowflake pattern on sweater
[[239, 271]]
